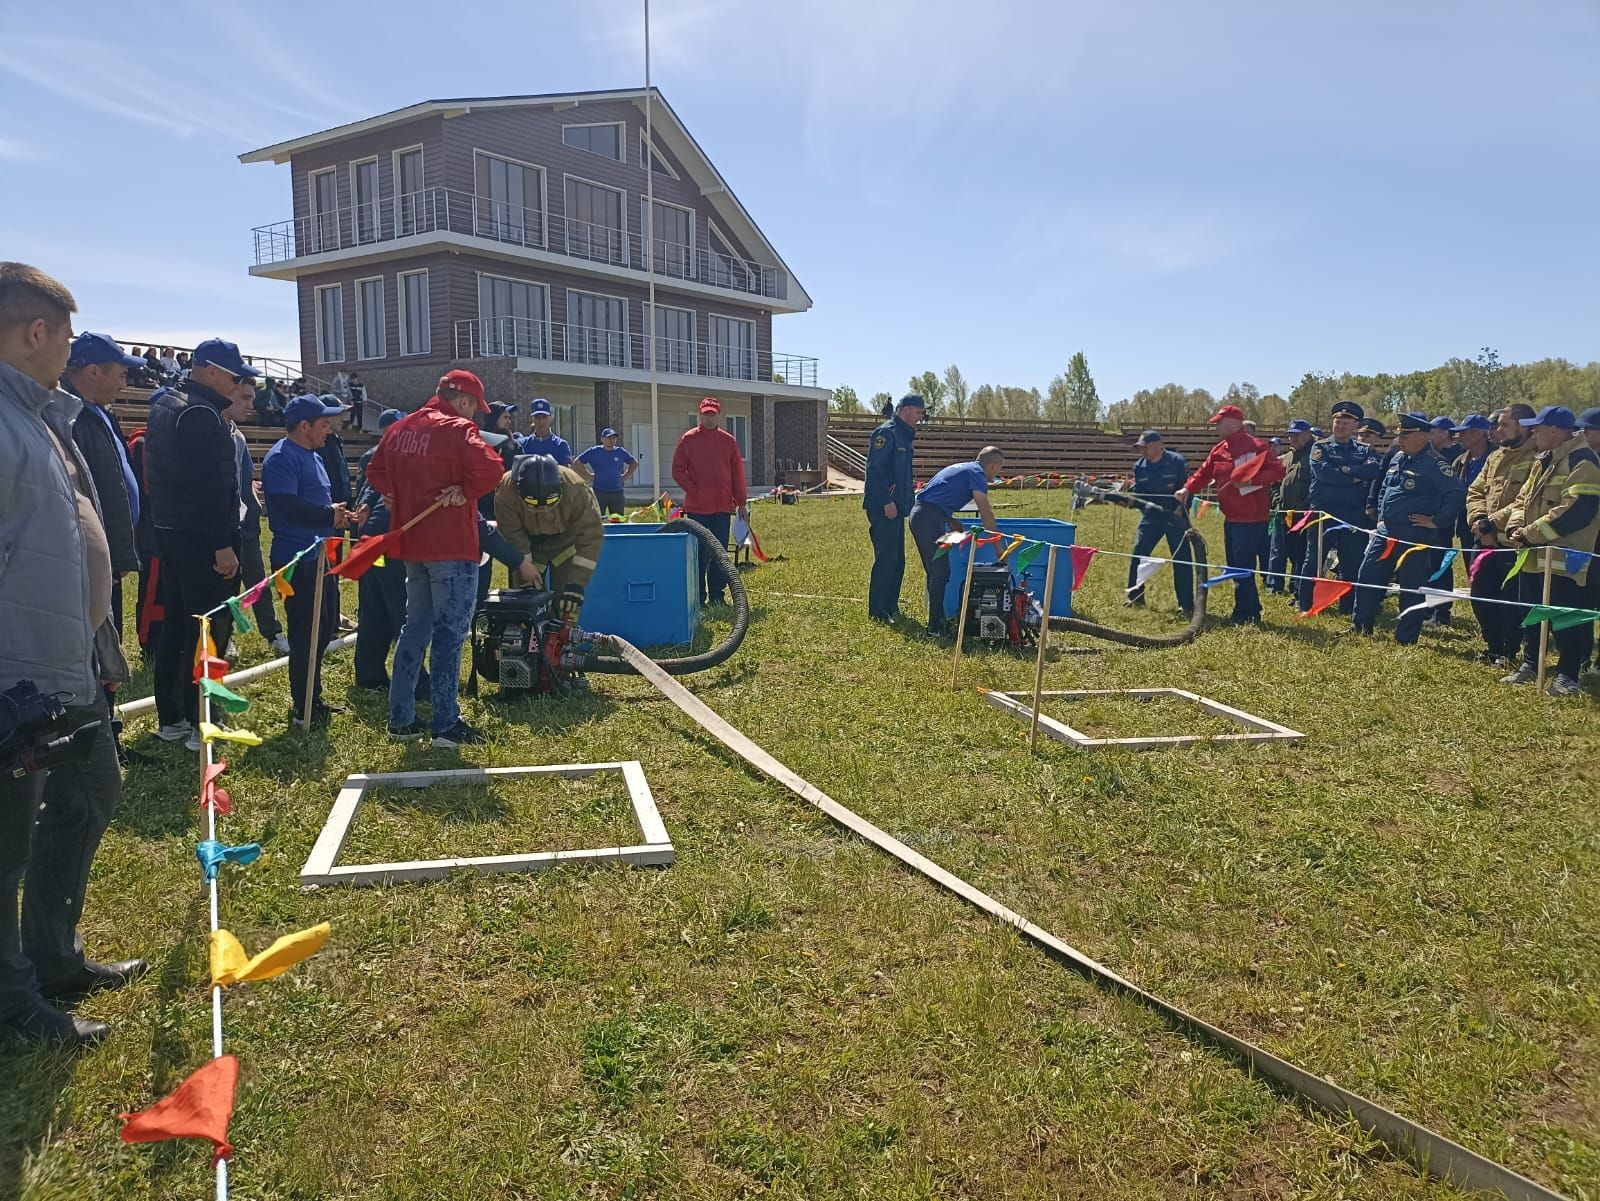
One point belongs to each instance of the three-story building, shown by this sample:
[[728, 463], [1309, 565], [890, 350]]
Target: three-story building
[[507, 235]]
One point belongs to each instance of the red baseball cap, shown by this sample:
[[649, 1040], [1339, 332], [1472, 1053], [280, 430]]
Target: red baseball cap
[[464, 381], [1233, 411], [710, 405]]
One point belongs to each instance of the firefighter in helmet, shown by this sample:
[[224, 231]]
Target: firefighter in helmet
[[550, 514]]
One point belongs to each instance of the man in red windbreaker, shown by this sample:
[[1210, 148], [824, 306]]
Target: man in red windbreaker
[[1244, 469], [707, 466], [436, 454]]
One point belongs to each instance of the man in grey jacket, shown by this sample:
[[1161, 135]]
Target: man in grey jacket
[[55, 630]]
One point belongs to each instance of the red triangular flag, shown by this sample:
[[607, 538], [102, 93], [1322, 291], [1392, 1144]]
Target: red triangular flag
[[1325, 592], [1388, 547], [1305, 520], [211, 796], [214, 669], [1081, 555], [332, 549], [200, 1107], [755, 548], [1245, 472], [366, 552]]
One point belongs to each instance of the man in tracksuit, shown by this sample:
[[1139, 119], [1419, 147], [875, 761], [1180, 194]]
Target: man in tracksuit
[[890, 487]]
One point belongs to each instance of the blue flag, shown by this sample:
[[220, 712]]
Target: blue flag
[[1227, 574], [1444, 568], [212, 854], [1576, 559]]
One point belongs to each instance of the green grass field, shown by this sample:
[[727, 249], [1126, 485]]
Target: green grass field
[[1406, 902]]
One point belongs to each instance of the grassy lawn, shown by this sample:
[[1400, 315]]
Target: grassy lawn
[[1405, 902]]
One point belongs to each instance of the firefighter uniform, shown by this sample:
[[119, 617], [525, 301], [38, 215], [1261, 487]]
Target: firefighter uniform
[[1490, 498], [563, 539]]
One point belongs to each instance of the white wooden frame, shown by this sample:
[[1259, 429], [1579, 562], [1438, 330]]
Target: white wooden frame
[[1260, 730], [321, 866]]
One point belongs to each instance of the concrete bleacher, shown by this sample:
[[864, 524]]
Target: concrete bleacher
[[132, 408]]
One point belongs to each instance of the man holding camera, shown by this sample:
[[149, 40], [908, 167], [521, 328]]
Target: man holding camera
[[55, 631]]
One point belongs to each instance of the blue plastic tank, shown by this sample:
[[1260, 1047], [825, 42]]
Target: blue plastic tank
[[1037, 529], [645, 588]]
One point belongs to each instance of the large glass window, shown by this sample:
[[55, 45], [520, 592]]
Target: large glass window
[[510, 200], [594, 222], [657, 164], [511, 317], [675, 349], [604, 140], [597, 329], [329, 303], [733, 347], [728, 269], [416, 331], [364, 190], [672, 238], [410, 200], [324, 211], [371, 341]]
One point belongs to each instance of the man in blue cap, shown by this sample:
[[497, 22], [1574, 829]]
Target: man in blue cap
[[934, 512], [1558, 512], [96, 373], [1288, 547], [608, 467], [192, 483], [1157, 474], [887, 498], [1342, 470], [543, 440], [1419, 496], [300, 510], [1442, 437]]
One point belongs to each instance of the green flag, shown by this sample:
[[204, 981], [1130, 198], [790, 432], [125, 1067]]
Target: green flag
[[1559, 618], [223, 695], [1516, 565], [1027, 555], [241, 621]]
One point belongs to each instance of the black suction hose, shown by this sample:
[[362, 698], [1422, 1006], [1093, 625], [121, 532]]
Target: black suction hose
[[618, 666]]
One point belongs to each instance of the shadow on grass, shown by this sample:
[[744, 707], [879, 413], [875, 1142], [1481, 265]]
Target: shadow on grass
[[160, 789], [37, 1079]]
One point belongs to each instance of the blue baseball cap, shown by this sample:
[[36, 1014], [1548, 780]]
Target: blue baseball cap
[[388, 417], [1473, 421], [1414, 422], [1317, 430], [1447, 424], [1300, 426], [218, 353], [540, 405], [1589, 419], [307, 408], [911, 400], [1148, 437], [608, 432], [89, 349], [1558, 416]]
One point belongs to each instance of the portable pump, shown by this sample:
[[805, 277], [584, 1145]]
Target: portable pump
[[519, 643], [1000, 609]]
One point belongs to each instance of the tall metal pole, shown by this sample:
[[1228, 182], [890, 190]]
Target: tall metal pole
[[650, 265]]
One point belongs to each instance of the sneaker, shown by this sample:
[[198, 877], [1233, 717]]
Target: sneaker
[[176, 732], [281, 644], [192, 743], [1564, 686], [460, 734], [230, 652], [1523, 675], [407, 733]]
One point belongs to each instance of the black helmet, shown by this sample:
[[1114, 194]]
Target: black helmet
[[538, 479]]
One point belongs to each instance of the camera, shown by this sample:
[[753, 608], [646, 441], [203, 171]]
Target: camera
[[31, 737]]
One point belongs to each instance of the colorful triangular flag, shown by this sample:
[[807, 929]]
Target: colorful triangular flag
[[200, 1107], [224, 696], [1559, 617], [212, 795], [241, 623], [1082, 556], [1407, 553], [1025, 557], [1444, 567], [948, 542], [1305, 520], [1227, 575], [1517, 564], [1324, 593], [1576, 560], [213, 854], [1146, 567], [1433, 598], [1388, 547], [230, 964], [215, 733]]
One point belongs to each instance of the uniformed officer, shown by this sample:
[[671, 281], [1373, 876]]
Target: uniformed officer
[[1288, 549], [548, 513], [1419, 496], [544, 440], [1342, 470], [890, 491], [1157, 474]]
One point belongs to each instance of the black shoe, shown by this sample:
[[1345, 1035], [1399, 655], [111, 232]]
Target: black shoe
[[94, 977], [460, 734], [407, 733], [47, 1026]]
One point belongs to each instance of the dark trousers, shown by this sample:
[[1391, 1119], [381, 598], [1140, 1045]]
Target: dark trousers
[[1284, 556], [1376, 573], [147, 610], [299, 610], [50, 827], [1573, 645], [1145, 539], [928, 525], [189, 585], [252, 571], [609, 501], [1243, 543], [1350, 545], [712, 581], [379, 619], [1501, 625], [888, 565]]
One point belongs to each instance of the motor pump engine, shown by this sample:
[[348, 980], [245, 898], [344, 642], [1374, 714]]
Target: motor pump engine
[[1000, 609], [519, 643]]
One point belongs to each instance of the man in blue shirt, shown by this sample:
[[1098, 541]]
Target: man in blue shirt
[[608, 467], [1342, 471], [888, 497], [300, 510], [934, 513], [1157, 474], [543, 441]]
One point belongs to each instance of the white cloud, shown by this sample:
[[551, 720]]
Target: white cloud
[[17, 151]]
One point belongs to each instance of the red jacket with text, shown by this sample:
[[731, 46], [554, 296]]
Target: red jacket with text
[[1243, 468], [708, 468], [420, 456]]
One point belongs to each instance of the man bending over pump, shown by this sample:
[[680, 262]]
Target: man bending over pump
[[549, 513]]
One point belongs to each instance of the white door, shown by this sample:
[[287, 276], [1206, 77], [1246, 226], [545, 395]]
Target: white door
[[739, 426], [639, 447]]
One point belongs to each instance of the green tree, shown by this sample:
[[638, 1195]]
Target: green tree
[[930, 387], [1083, 400], [844, 400], [879, 399], [987, 403], [1057, 401], [1313, 397], [957, 394]]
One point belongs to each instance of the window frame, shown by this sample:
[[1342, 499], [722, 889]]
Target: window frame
[[694, 342], [626, 260], [375, 205], [655, 151], [400, 195], [546, 326], [316, 309], [404, 314], [627, 348], [712, 348], [621, 156], [544, 190], [383, 317], [693, 256], [317, 216]]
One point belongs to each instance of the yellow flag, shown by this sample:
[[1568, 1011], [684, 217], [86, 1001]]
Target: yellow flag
[[230, 964], [205, 646], [215, 733], [1517, 564], [1409, 551], [283, 587]]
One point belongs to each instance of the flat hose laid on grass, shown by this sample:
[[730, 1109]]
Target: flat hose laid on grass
[[617, 666]]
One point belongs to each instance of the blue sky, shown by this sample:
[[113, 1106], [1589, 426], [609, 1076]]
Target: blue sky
[[1200, 193]]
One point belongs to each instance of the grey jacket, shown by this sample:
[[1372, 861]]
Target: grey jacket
[[98, 445], [46, 633]]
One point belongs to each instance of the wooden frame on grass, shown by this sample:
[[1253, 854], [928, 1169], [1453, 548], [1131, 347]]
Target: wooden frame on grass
[[654, 849], [1260, 729]]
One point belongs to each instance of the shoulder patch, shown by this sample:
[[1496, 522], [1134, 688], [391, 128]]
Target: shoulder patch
[[879, 442], [1316, 452]]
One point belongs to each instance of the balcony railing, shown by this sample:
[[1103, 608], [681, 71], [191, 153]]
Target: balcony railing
[[442, 210], [521, 337]]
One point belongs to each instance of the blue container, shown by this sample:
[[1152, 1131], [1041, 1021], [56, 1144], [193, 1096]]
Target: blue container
[[646, 588], [1036, 529]]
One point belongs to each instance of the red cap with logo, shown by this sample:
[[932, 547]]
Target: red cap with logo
[[710, 405], [464, 381], [1226, 411]]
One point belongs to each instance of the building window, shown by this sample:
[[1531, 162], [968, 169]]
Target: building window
[[675, 349], [370, 334], [657, 163], [727, 269], [411, 207], [597, 329], [509, 204], [671, 238], [733, 347], [329, 303], [324, 188], [604, 140], [364, 194], [416, 330], [594, 222], [511, 317]]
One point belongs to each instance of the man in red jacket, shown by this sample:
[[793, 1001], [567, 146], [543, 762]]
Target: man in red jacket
[[707, 466], [436, 454], [1244, 469]]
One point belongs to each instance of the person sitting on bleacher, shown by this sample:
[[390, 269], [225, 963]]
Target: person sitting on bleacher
[[270, 402]]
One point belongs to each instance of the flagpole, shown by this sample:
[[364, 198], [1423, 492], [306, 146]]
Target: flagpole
[[314, 658], [1044, 641], [1544, 626], [650, 263], [961, 613]]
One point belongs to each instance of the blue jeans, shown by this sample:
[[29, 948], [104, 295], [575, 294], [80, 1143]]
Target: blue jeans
[[440, 598], [1413, 574], [1243, 543], [1283, 557], [1145, 539]]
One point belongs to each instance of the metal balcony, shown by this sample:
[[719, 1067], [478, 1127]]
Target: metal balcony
[[521, 337], [442, 210]]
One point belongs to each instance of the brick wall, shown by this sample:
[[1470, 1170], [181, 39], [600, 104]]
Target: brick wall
[[801, 430]]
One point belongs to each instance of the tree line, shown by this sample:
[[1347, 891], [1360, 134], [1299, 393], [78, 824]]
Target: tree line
[[1456, 387]]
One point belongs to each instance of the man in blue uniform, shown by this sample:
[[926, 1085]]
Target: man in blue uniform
[[1419, 497], [1342, 470], [1157, 474], [543, 440], [934, 512], [608, 468], [888, 498]]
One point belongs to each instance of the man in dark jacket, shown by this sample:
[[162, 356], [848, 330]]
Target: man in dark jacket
[[193, 482], [887, 498]]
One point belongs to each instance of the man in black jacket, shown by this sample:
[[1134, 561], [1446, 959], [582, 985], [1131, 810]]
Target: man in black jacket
[[96, 374], [193, 482]]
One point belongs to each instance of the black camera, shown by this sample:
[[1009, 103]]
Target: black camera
[[31, 737]]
